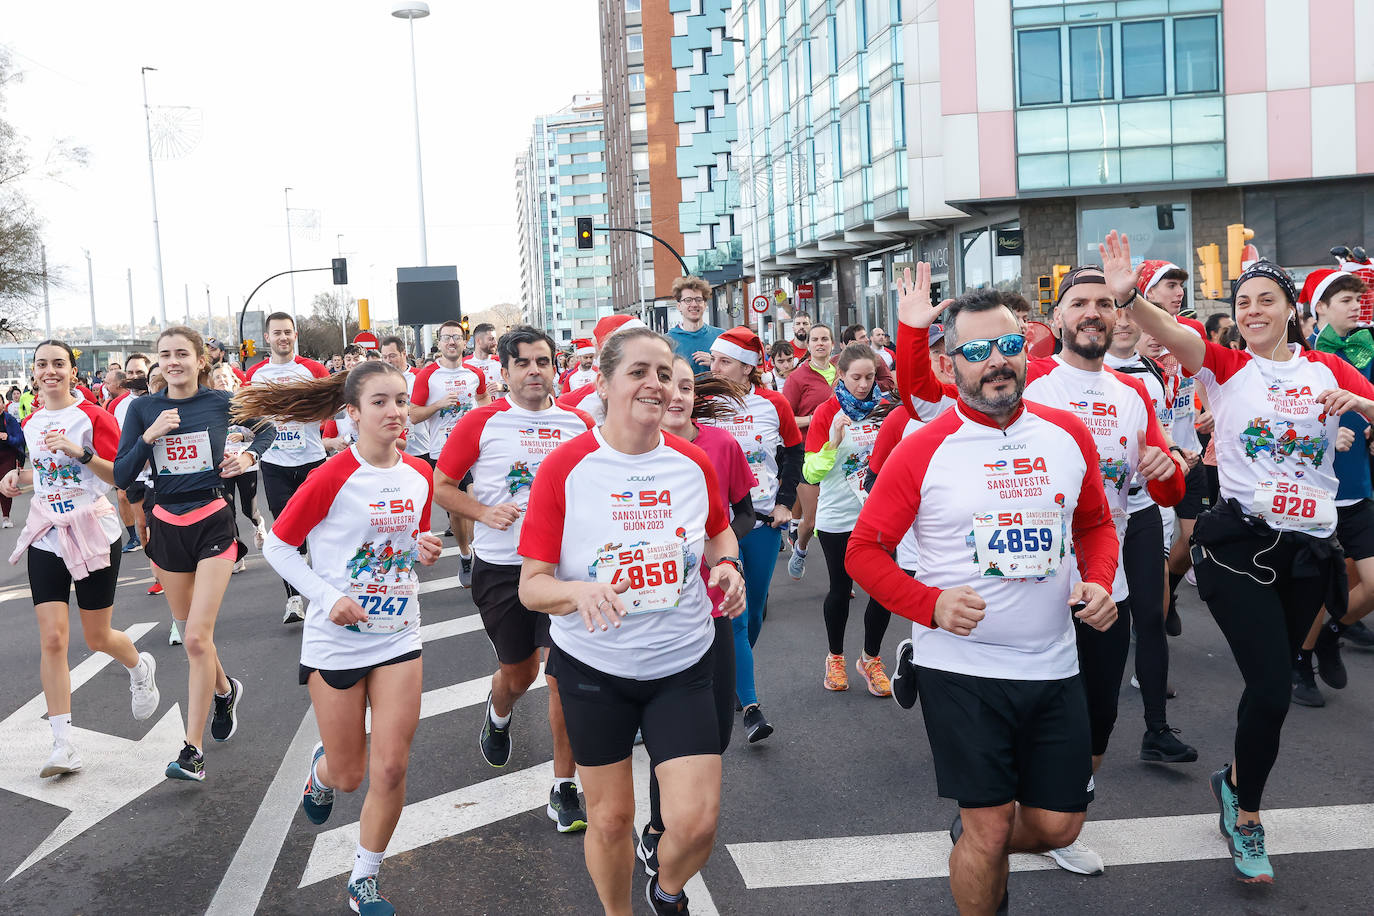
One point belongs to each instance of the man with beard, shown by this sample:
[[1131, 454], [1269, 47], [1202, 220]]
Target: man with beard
[[1130, 442], [215, 350], [801, 336], [1005, 714]]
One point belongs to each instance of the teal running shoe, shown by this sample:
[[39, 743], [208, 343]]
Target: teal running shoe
[[1226, 798], [365, 900], [317, 800], [1247, 853]]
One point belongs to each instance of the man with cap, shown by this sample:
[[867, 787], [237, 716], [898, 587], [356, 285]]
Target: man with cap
[[584, 371], [215, 350], [584, 397]]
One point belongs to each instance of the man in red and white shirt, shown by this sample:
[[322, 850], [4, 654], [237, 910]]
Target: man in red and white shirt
[[444, 391], [484, 358], [584, 372], [994, 596], [584, 397], [502, 446], [299, 448], [394, 351]]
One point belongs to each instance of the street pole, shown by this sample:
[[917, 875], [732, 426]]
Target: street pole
[[152, 187], [343, 312], [47, 308], [209, 314], [133, 322], [419, 168], [639, 258], [186, 288], [90, 284], [290, 261]]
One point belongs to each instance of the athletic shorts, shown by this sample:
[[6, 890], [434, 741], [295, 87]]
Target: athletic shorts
[[996, 741], [515, 631], [1196, 498], [149, 500], [136, 492], [347, 677], [677, 713], [177, 543], [51, 580], [1355, 529]]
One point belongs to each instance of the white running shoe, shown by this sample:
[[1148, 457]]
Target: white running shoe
[[295, 610], [1077, 858], [1190, 577], [143, 687], [260, 532], [62, 760], [241, 565], [174, 637], [7, 523], [796, 565]]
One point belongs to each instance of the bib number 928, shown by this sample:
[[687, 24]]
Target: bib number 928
[[1288, 502]]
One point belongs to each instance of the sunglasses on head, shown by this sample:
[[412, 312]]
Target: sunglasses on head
[[975, 351]]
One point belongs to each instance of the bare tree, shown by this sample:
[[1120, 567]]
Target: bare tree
[[322, 334]]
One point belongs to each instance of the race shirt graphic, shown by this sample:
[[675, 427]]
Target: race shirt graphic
[[381, 573], [61, 482], [762, 425], [296, 443], [842, 494]]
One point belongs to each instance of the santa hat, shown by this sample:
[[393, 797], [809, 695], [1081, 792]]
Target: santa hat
[[1317, 282], [1151, 272], [613, 323], [739, 344], [583, 346]]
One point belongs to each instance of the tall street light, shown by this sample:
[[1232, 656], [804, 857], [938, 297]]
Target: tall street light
[[152, 186], [411, 10]]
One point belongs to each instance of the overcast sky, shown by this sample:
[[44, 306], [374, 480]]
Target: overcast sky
[[305, 94]]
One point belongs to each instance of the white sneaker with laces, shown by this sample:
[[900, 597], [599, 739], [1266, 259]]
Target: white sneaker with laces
[[143, 687], [1077, 858], [7, 523], [62, 760], [260, 532], [240, 566], [295, 610]]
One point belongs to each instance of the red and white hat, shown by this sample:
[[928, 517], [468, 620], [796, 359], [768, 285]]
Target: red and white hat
[[1151, 272], [583, 346], [741, 344], [612, 323], [1317, 282]]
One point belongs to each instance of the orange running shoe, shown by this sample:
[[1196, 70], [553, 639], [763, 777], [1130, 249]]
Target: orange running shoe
[[835, 676], [873, 673]]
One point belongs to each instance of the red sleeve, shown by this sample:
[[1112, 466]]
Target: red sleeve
[[104, 431], [574, 397], [887, 516], [1223, 361], [464, 444], [883, 375], [86, 392], [787, 420], [916, 380], [422, 468], [716, 518], [1094, 532], [239, 374], [894, 424], [310, 503], [1164, 492], [548, 501], [329, 429], [481, 377], [818, 433], [252, 371], [316, 369], [1192, 324], [420, 393], [583, 416], [115, 403], [1347, 378]]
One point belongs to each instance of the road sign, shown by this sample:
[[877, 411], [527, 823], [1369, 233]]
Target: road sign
[[759, 304], [806, 291], [366, 339]]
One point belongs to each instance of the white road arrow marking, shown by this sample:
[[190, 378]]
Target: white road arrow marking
[[116, 772]]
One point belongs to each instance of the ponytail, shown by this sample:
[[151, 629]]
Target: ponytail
[[308, 401]]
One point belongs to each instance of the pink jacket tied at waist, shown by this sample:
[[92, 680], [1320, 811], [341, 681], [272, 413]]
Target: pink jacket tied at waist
[[84, 545]]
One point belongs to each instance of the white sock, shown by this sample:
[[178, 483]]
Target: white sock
[[500, 721], [799, 551], [559, 782], [365, 863], [319, 784], [137, 671], [61, 728]]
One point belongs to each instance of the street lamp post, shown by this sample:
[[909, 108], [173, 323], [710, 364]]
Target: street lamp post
[[410, 10], [290, 259], [152, 187]]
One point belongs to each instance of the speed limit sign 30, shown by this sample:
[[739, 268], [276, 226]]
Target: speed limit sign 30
[[759, 304]]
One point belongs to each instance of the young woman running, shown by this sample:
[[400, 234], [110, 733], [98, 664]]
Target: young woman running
[[192, 537], [1264, 555], [243, 490], [694, 399], [72, 538], [838, 444], [360, 645], [763, 425], [631, 623], [806, 389]]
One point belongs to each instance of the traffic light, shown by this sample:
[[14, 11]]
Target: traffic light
[[340, 268], [1209, 277], [246, 351], [465, 324], [1236, 237], [1046, 286], [1059, 271], [584, 233]]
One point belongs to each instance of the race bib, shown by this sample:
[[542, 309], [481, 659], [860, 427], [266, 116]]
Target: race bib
[[290, 436], [235, 447], [185, 453], [654, 572], [1026, 544], [1294, 506], [766, 483], [391, 606]]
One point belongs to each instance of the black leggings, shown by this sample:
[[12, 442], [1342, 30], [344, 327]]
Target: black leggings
[[1102, 661], [723, 686], [1265, 626], [246, 488], [876, 617], [1145, 580], [279, 483]]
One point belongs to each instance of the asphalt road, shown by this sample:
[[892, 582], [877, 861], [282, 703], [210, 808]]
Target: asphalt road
[[848, 770]]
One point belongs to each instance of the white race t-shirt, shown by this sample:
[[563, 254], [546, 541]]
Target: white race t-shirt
[[432, 385], [841, 490], [763, 424], [490, 367], [61, 481]]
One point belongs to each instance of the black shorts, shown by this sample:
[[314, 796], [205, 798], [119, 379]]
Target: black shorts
[[996, 741], [179, 548], [347, 677], [515, 631], [1355, 529], [676, 713], [149, 500], [51, 580], [1197, 497], [136, 492]]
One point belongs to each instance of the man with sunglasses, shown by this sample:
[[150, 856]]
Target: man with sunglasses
[[994, 596], [692, 338]]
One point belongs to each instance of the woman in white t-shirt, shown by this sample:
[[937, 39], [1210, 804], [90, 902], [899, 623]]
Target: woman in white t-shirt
[[634, 511], [72, 538], [365, 516], [1265, 555]]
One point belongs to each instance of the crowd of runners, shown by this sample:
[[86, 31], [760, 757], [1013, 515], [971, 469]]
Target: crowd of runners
[[620, 515]]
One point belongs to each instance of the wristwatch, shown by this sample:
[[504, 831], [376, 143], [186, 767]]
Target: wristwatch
[[86, 455], [733, 561]]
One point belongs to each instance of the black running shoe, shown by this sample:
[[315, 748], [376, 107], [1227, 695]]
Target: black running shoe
[[565, 809], [659, 907], [1358, 635], [465, 570], [756, 727], [1305, 689], [1161, 745], [1328, 655], [225, 719], [494, 742], [904, 676], [1173, 624], [189, 765], [646, 848]]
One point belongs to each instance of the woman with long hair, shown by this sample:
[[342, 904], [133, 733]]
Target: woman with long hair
[[72, 539], [839, 441], [192, 536], [365, 515], [631, 623]]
